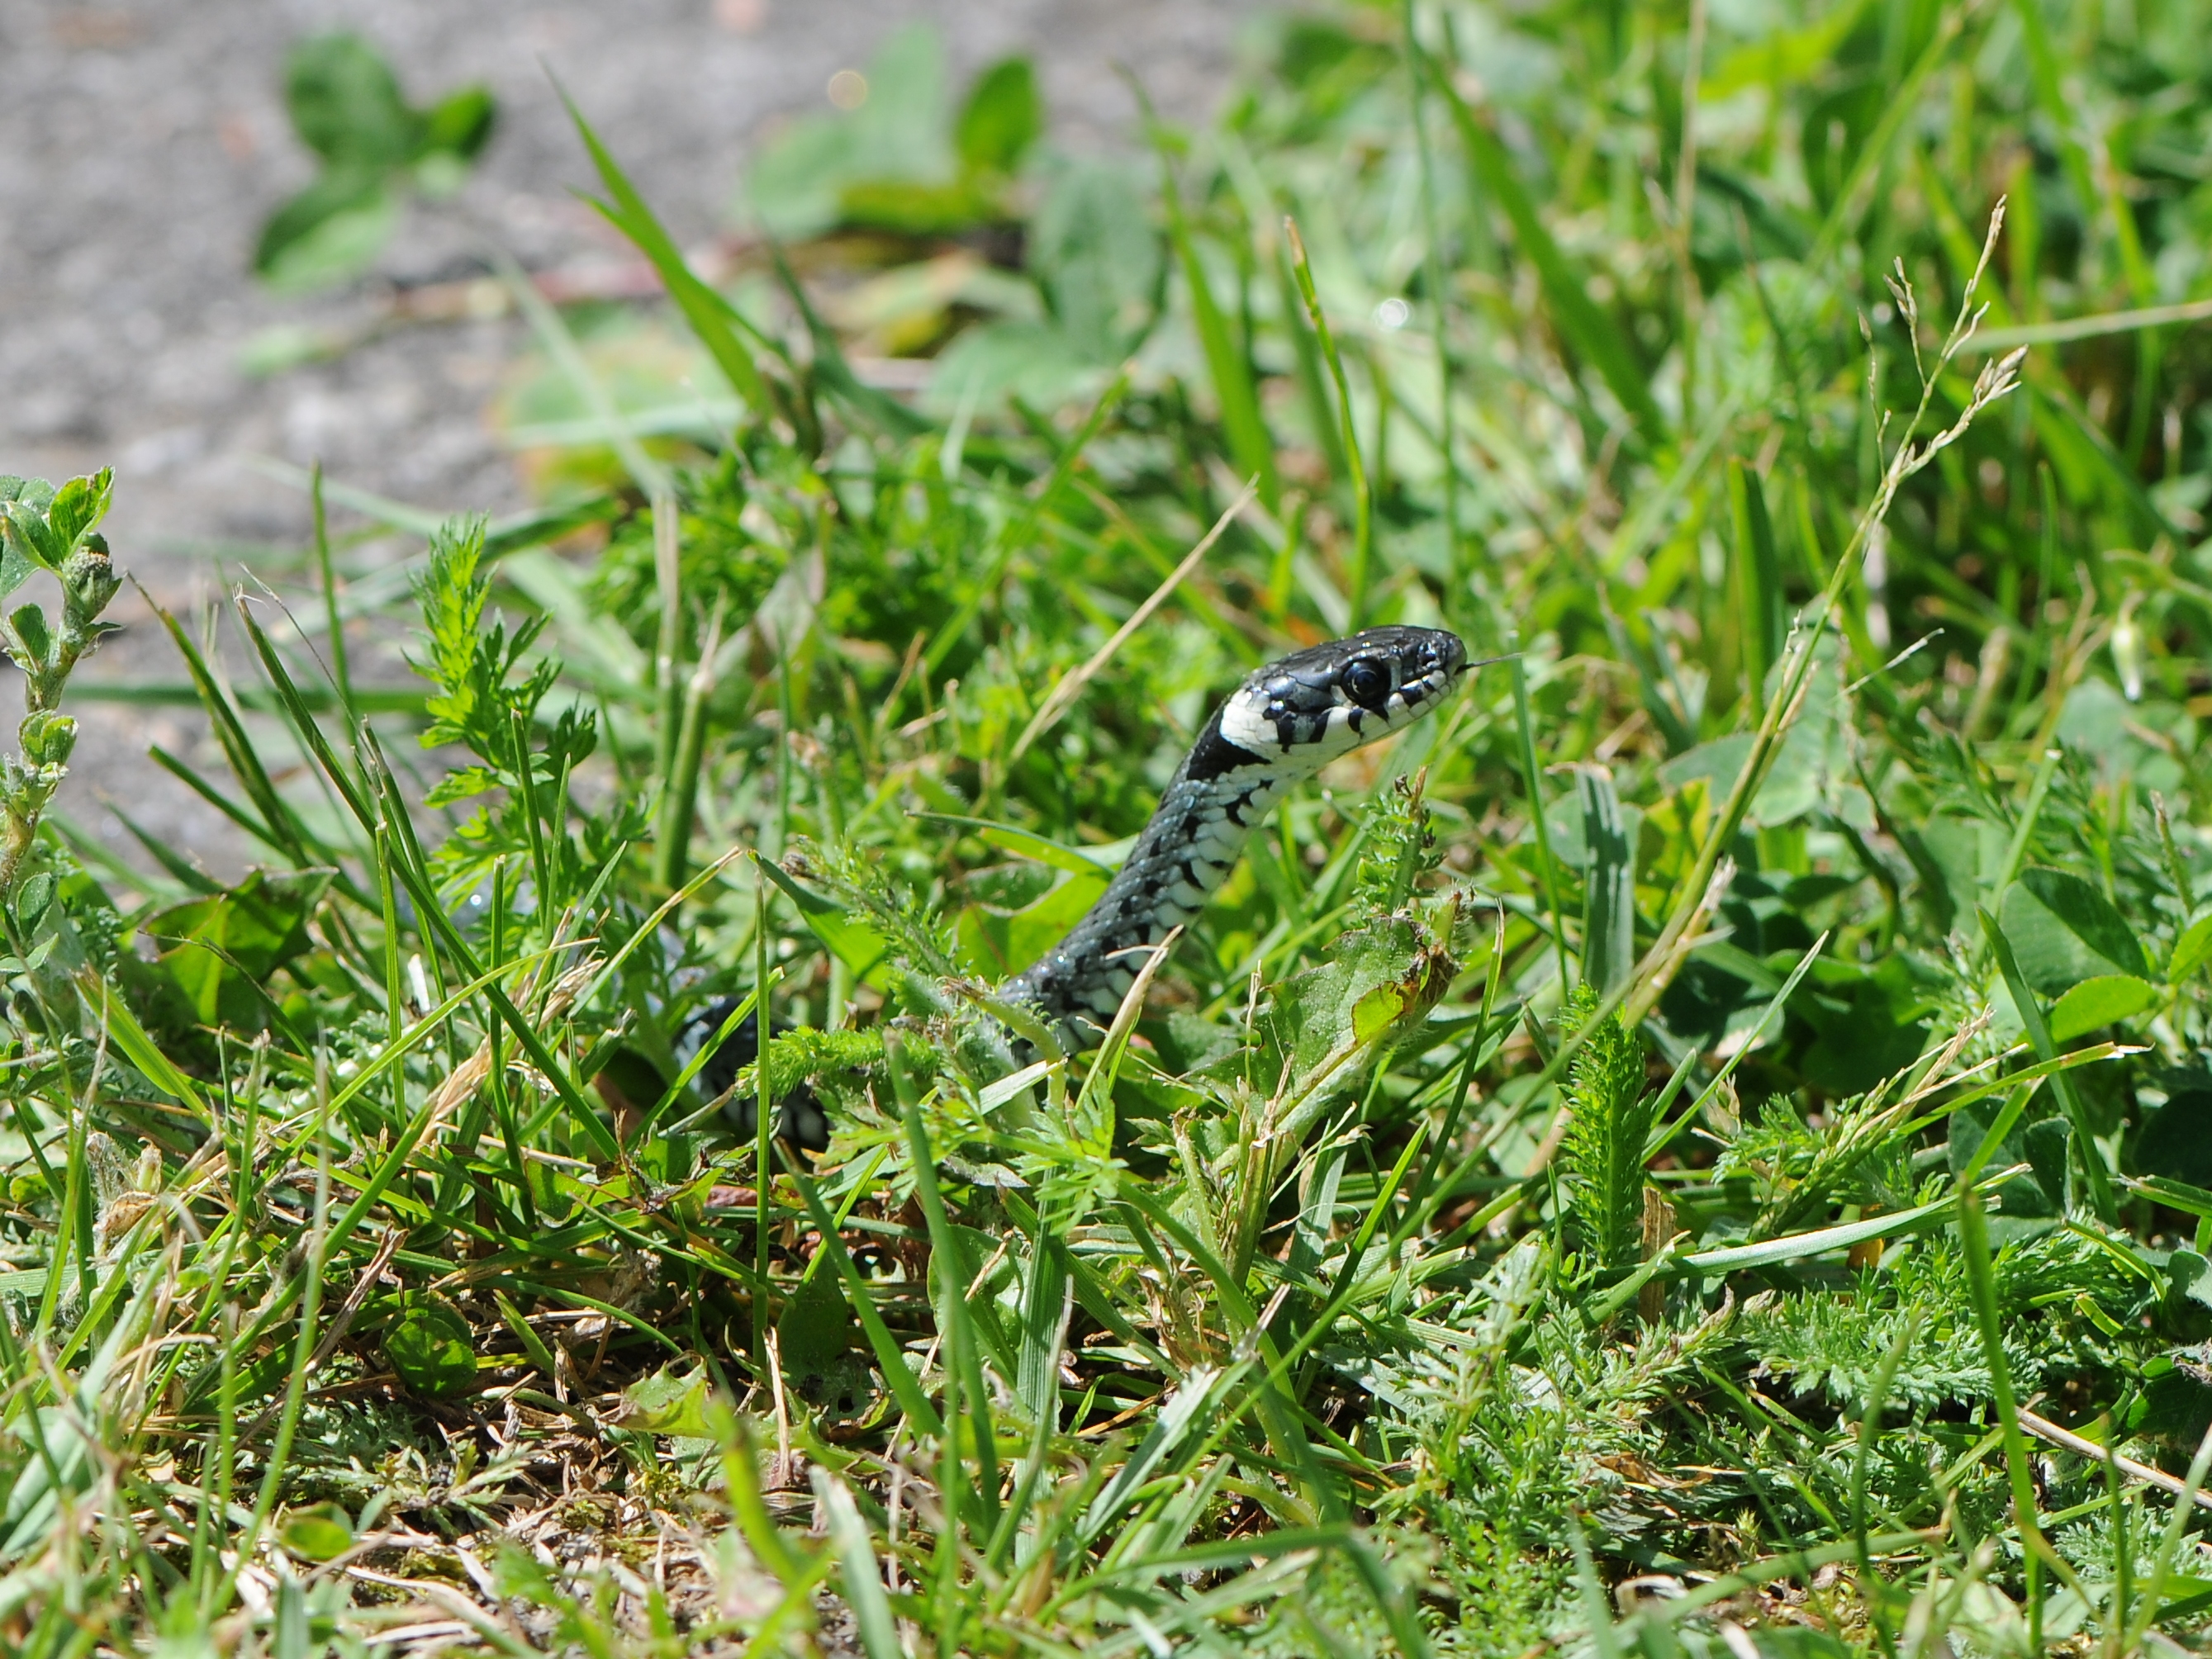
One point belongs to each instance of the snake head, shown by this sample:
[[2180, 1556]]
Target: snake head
[[1318, 703]]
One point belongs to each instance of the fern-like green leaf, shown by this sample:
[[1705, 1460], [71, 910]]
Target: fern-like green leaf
[[1610, 1120]]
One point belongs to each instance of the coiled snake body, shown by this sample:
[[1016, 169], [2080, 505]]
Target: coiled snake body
[[1283, 724]]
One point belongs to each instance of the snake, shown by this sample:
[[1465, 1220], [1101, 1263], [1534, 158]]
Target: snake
[[1285, 722]]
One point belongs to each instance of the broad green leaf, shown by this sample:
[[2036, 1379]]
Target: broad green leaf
[[2191, 1277], [321, 1532], [28, 529], [19, 556], [431, 1350], [2097, 1002], [460, 124], [1812, 757], [78, 506], [1002, 117], [2030, 1010], [331, 231], [1040, 362], [2191, 950], [891, 1358], [819, 1342], [2176, 1404], [346, 106], [2063, 931], [2175, 1141], [898, 130], [1781, 57], [915, 207], [219, 950], [1095, 253], [1330, 1022], [669, 1401], [1378, 1011]]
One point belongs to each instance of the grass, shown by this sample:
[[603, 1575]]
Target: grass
[[1705, 1145]]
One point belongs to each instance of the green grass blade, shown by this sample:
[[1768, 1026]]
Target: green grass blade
[[1608, 885], [863, 1580], [1759, 579], [1587, 332], [1226, 360], [1981, 1279], [1362, 504], [891, 1359], [2099, 1177], [706, 311]]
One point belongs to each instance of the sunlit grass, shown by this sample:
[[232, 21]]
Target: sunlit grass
[[1702, 1145]]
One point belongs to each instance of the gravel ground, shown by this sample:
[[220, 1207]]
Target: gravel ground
[[142, 145]]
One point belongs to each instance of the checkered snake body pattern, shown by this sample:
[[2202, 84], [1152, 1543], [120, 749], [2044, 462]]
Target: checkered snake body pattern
[[1286, 722]]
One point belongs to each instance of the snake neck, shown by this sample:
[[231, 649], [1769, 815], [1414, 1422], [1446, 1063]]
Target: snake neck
[[1210, 808]]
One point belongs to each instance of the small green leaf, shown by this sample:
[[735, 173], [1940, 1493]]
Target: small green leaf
[[669, 1401], [997, 943], [1378, 1011], [817, 1339], [432, 1350], [331, 231], [2189, 1276], [460, 124], [2191, 950], [321, 1533], [35, 641], [345, 103], [78, 506], [28, 529], [2097, 1002], [32, 901], [1331, 1024], [911, 207], [347, 107], [1001, 119], [899, 130], [462, 783]]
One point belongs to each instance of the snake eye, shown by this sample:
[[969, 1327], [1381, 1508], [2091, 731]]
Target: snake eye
[[1367, 683]]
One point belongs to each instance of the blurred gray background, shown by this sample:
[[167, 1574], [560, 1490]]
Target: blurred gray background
[[142, 144]]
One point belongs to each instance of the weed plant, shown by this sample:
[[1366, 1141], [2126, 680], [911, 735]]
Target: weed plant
[[1706, 1145]]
